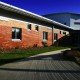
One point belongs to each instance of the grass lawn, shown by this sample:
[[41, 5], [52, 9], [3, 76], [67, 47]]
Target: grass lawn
[[19, 54]]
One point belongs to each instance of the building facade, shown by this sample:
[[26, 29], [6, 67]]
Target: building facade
[[70, 19], [21, 29]]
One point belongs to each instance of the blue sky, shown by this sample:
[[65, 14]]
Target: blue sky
[[47, 6]]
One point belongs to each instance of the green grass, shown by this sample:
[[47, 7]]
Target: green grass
[[19, 54]]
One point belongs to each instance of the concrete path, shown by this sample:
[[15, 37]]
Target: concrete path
[[51, 53], [41, 67]]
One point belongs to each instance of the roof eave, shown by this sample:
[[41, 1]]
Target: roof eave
[[30, 14]]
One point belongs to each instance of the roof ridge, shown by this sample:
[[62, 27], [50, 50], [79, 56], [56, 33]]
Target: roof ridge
[[62, 13]]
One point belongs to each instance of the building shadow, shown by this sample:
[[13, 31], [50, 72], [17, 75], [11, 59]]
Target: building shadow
[[65, 41], [55, 57], [46, 57], [41, 70]]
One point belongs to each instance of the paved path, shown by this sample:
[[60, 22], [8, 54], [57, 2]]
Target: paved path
[[51, 53], [43, 67]]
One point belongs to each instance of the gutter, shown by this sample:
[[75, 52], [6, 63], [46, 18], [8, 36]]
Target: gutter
[[30, 14]]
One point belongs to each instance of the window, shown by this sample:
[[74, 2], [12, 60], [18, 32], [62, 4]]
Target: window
[[64, 33], [16, 33], [36, 27], [55, 36], [76, 23], [45, 35], [60, 32], [29, 26]]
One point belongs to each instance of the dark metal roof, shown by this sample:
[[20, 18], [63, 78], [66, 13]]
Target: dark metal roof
[[71, 13]]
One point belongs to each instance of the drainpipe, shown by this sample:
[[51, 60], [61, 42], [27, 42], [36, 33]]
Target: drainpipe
[[52, 35]]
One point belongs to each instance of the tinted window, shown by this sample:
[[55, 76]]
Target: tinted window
[[55, 36], [16, 33], [36, 27], [45, 35], [29, 26]]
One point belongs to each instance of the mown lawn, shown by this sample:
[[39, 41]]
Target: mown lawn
[[19, 54]]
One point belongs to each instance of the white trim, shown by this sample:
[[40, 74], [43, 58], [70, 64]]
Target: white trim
[[46, 26], [16, 40], [44, 40], [28, 30], [36, 30], [49, 28], [55, 40], [35, 15], [3, 19], [8, 19]]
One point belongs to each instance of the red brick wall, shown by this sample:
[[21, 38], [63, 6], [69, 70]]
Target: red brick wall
[[5, 36], [29, 38]]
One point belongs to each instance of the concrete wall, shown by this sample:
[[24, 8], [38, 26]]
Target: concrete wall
[[73, 18]]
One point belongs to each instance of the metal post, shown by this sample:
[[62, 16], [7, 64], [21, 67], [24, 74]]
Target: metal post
[[52, 35]]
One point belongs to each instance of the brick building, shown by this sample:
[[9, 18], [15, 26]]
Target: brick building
[[20, 28], [70, 19]]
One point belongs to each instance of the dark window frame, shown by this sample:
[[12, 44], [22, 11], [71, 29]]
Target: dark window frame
[[45, 35], [29, 26], [16, 33], [76, 23], [60, 32], [64, 33], [36, 27], [55, 36]]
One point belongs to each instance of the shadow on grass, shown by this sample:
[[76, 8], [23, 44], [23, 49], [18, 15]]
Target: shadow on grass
[[60, 57]]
